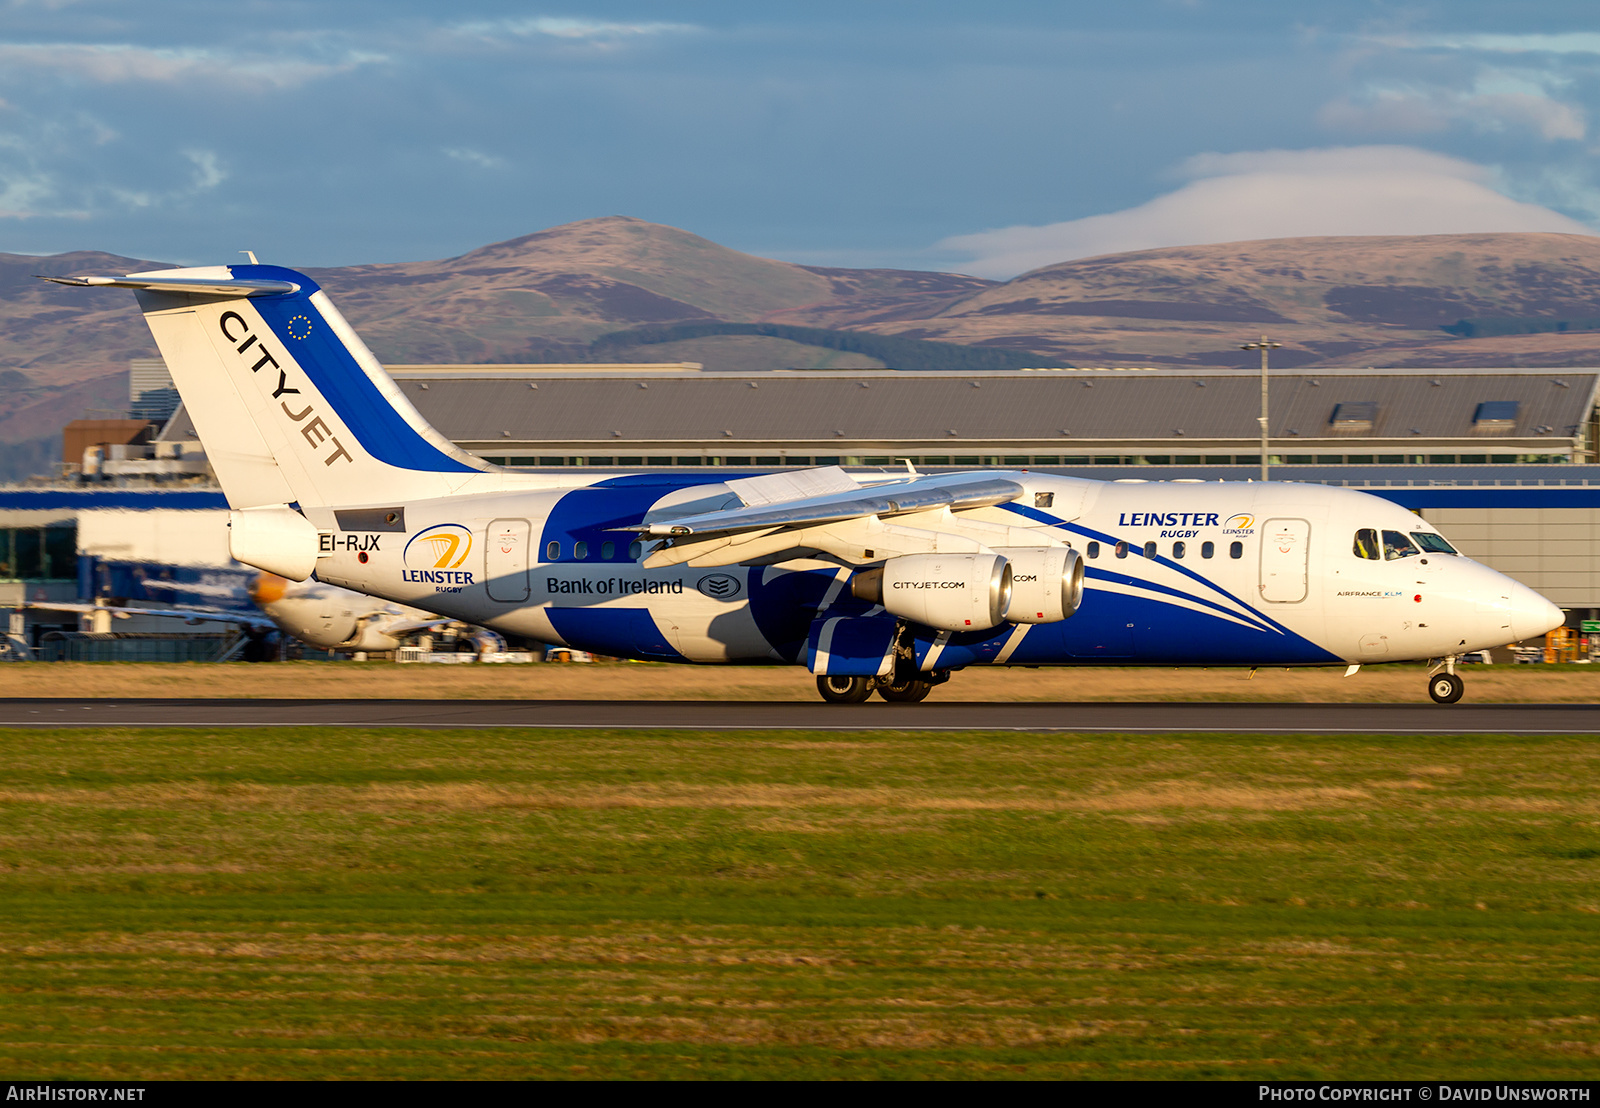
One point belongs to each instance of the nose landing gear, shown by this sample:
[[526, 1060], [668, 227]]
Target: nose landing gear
[[1446, 687]]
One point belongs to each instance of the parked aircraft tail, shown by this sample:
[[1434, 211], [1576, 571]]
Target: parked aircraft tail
[[288, 401]]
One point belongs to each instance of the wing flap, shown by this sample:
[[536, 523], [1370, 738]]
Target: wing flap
[[956, 491], [794, 484]]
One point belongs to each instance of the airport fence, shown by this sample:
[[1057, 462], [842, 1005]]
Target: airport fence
[[89, 646]]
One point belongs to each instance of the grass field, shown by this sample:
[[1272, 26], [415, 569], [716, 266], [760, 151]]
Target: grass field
[[662, 681], [301, 903]]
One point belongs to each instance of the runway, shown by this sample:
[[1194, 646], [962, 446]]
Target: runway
[[1097, 716]]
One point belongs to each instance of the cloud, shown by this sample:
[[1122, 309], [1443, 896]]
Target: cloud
[[29, 189], [1570, 42], [207, 173], [28, 193], [474, 157], [570, 29], [1361, 190], [115, 63], [1421, 112], [1496, 99]]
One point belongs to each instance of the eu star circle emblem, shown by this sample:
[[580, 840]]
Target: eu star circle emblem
[[299, 327]]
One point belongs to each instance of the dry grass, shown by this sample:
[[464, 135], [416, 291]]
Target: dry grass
[[659, 681]]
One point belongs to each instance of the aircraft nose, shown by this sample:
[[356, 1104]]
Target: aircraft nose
[[268, 587], [1531, 614]]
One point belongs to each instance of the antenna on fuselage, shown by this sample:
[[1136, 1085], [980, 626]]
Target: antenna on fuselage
[[911, 469], [251, 254]]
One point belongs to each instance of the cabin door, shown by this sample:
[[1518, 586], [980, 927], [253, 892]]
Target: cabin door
[[505, 560], [1285, 554]]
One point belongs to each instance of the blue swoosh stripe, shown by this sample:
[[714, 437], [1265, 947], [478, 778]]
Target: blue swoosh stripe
[[1087, 532]]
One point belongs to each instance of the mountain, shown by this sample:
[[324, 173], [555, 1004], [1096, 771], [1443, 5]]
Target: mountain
[[1379, 300], [546, 296], [620, 289]]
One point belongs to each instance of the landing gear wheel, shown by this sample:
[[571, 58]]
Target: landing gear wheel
[[1446, 688], [844, 690], [906, 692]]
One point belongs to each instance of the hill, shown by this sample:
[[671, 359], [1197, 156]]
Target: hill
[[620, 289], [1380, 300]]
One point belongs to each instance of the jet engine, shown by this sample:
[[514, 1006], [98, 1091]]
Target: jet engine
[[953, 592], [1046, 583]]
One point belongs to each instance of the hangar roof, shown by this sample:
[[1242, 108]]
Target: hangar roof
[[1511, 409]]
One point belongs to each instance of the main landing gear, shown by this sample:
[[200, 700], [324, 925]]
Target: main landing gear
[[854, 690], [1446, 687], [844, 690]]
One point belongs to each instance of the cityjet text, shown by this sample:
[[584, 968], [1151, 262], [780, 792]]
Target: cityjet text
[[313, 430]]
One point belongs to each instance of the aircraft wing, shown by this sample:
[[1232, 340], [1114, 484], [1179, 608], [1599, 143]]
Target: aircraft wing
[[952, 491], [188, 615], [407, 626]]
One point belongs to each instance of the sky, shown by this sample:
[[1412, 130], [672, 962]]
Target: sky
[[981, 138]]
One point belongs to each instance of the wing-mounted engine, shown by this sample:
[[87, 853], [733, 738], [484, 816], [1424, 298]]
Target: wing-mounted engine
[[1046, 583], [951, 592]]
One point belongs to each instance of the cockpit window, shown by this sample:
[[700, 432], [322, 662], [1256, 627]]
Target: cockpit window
[[1396, 545], [1432, 543], [1366, 544]]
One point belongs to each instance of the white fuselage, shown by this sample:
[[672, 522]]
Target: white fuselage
[[1238, 574]]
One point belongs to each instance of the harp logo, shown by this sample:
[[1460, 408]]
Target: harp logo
[[443, 547]]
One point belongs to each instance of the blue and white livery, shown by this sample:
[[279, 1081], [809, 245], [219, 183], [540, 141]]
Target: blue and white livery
[[883, 583]]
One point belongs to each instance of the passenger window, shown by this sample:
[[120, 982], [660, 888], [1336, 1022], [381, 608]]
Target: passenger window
[[1207, 549], [1366, 544], [1122, 550], [1396, 545], [1236, 550], [1177, 549], [608, 550], [1094, 550], [580, 550], [635, 549], [552, 553], [1149, 550]]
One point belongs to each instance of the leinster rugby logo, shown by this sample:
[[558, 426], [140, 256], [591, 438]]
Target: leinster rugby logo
[[443, 547], [1242, 524], [719, 586]]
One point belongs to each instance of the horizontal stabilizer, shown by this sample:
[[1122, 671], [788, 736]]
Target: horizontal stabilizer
[[956, 491], [205, 286]]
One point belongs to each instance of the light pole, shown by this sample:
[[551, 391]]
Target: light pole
[[1264, 345]]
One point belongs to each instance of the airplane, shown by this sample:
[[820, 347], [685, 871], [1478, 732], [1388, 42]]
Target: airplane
[[318, 614], [885, 582], [331, 618]]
